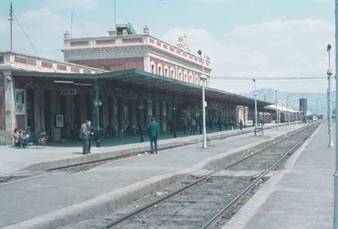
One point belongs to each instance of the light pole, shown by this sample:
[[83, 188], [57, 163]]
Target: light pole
[[335, 219], [255, 94], [97, 104], [174, 120], [11, 19], [287, 109], [204, 103], [329, 111], [277, 112]]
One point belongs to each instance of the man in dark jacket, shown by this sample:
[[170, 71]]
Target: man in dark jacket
[[85, 137], [154, 132]]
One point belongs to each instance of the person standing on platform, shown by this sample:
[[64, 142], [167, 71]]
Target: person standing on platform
[[240, 124], [154, 132], [85, 137], [90, 135]]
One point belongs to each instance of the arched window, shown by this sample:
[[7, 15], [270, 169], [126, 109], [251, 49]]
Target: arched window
[[153, 68], [159, 69], [172, 73], [166, 71], [179, 75]]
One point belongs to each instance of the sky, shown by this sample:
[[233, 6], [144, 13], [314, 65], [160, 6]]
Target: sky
[[243, 38]]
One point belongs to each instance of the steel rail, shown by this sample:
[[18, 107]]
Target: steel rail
[[257, 179], [136, 211]]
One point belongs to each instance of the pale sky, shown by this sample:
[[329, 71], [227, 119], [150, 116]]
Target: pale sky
[[242, 37]]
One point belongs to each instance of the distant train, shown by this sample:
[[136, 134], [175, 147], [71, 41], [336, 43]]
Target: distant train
[[285, 114]]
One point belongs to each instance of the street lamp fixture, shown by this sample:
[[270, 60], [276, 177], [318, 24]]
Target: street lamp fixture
[[97, 102]]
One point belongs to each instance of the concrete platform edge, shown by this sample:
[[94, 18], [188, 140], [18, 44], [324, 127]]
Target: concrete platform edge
[[243, 216]]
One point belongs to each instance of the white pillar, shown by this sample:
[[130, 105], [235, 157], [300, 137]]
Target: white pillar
[[10, 122]]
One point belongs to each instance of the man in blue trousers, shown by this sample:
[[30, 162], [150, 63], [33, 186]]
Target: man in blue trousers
[[154, 132]]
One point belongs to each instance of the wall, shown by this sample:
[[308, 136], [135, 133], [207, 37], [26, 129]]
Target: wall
[[115, 64]]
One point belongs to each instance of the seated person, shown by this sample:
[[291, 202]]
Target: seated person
[[16, 137], [43, 139], [23, 138]]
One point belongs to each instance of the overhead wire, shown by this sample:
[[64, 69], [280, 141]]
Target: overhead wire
[[267, 78], [27, 36]]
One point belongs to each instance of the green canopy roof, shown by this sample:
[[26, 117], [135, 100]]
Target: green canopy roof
[[146, 80]]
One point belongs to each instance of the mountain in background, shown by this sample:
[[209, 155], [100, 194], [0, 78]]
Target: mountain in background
[[317, 102]]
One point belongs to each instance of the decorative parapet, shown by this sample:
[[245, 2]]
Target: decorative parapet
[[133, 40], [11, 60]]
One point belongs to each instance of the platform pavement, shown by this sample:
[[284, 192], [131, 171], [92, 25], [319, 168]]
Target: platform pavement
[[299, 197], [32, 197], [13, 159]]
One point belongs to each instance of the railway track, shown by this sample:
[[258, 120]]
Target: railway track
[[209, 201]]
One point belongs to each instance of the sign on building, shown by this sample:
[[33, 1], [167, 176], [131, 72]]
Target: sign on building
[[59, 120], [69, 91], [20, 101]]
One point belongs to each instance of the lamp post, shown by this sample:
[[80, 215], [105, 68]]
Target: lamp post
[[141, 107], [97, 104], [204, 103], [277, 112], [255, 95], [329, 111], [174, 121], [287, 109], [335, 219]]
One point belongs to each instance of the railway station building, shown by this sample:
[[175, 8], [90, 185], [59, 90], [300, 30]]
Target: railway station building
[[119, 82]]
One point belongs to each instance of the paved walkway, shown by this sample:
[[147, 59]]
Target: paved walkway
[[24, 199], [301, 196], [13, 159]]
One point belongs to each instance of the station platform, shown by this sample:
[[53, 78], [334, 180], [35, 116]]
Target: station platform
[[13, 160], [56, 198], [297, 197]]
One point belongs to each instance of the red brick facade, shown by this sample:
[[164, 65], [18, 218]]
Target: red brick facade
[[114, 64]]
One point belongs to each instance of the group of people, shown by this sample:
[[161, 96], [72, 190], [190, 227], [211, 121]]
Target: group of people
[[190, 125], [20, 138], [87, 133]]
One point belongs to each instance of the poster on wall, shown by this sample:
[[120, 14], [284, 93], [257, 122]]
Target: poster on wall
[[20, 101], [59, 121]]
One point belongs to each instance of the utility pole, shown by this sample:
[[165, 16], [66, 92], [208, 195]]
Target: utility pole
[[287, 109], [277, 111], [11, 19], [255, 94], [115, 13], [335, 219], [71, 25], [329, 111], [204, 103]]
